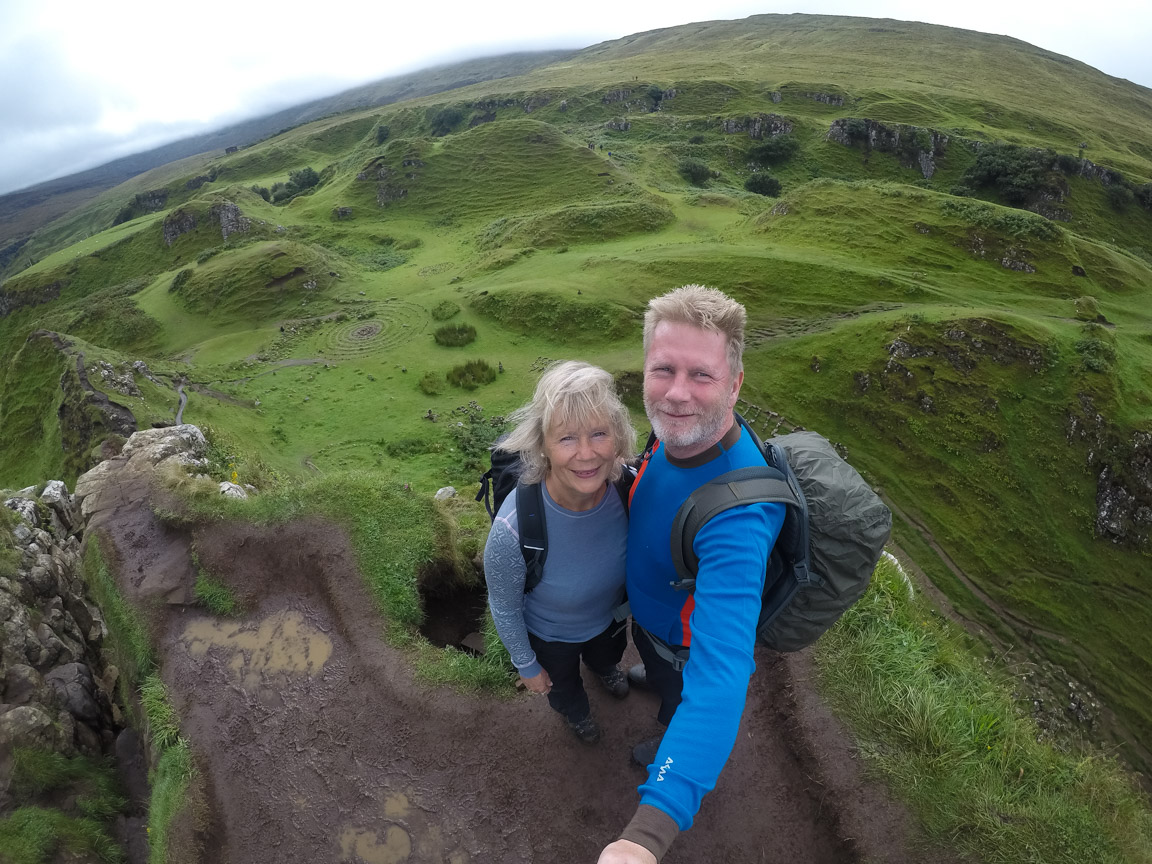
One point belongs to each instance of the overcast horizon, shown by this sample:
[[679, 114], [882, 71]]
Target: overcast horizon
[[82, 101]]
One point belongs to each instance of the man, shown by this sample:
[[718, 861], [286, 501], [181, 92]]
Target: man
[[693, 369]]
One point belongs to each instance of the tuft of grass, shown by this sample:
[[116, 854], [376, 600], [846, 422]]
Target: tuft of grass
[[455, 335], [944, 732], [127, 644], [217, 597], [472, 374], [170, 783], [163, 723], [444, 310], [37, 835], [92, 782]]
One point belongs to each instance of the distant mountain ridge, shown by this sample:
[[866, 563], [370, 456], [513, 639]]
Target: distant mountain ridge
[[53, 198]]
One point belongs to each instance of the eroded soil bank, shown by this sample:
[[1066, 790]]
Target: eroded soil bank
[[319, 744]]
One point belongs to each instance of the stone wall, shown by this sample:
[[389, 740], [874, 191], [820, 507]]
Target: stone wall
[[55, 689]]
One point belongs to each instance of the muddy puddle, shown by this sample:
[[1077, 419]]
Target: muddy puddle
[[283, 643]]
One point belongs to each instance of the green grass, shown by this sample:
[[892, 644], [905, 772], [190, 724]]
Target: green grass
[[128, 645], [216, 597], [35, 835], [948, 739], [550, 249], [92, 782], [171, 779], [163, 723]]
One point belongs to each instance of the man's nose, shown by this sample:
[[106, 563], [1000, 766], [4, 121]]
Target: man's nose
[[678, 390]]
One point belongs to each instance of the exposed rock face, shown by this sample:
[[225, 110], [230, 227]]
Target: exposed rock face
[[1124, 493], [619, 124], [10, 301], [177, 224], [616, 96], [231, 220], [917, 146], [826, 98], [54, 686], [122, 382], [758, 126]]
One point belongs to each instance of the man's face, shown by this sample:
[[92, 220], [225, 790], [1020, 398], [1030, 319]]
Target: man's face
[[689, 391]]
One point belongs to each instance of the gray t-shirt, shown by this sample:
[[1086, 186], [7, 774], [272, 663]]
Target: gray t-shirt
[[582, 583]]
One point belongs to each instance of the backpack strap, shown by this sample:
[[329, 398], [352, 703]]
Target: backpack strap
[[533, 533], [485, 493], [755, 484]]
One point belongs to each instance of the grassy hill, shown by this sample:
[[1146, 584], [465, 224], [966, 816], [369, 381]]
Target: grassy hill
[[949, 284]]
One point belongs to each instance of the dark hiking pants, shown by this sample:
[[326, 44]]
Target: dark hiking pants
[[561, 660], [663, 677]]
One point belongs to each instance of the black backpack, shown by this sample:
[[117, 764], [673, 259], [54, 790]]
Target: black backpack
[[498, 482], [833, 534]]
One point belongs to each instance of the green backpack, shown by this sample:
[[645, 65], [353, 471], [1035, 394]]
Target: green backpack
[[833, 535]]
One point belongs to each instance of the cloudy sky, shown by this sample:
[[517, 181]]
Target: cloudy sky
[[82, 83]]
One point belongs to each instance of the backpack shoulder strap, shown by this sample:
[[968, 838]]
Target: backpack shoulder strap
[[533, 532], [755, 484]]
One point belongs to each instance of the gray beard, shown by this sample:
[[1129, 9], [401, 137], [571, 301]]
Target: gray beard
[[709, 428]]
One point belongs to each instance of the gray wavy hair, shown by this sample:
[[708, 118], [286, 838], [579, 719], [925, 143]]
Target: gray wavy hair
[[708, 309], [568, 392]]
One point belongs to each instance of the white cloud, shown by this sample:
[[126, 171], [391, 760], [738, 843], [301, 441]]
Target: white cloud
[[100, 75]]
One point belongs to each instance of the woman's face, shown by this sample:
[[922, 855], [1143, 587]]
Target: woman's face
[[580, 461]]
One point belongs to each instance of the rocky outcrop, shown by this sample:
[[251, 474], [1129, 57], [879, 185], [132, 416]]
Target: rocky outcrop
[[1124, 493], [827, 98], [123, 382], [177, 224], [758, 126], [917, 146], [618, 124], [55, 689], [230, 219], [10, 301]]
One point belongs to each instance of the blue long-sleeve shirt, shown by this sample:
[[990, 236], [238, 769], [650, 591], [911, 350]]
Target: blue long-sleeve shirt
[[717, 621]]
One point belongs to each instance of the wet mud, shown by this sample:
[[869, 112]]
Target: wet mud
[[319, 744]]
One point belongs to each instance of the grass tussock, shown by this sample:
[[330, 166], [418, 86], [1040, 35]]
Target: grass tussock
[[90, 782], [215, 596], [946, 735], [170, 782], [37, 835]]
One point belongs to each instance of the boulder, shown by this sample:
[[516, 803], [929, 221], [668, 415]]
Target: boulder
[[35, 727], [22, 685], [76, 691]]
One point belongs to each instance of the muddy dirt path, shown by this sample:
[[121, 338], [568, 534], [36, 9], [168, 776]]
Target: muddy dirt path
[[319, 744]]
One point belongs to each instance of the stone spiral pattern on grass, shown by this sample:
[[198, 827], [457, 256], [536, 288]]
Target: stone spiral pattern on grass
[[390, 323]]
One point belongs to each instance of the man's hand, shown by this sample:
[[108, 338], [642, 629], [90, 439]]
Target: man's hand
[[625, 852], [541, 683]]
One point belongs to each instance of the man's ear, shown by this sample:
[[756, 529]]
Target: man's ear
[[737, 381]]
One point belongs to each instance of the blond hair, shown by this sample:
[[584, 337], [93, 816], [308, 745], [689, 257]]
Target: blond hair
[[568, 392], [706, 308]]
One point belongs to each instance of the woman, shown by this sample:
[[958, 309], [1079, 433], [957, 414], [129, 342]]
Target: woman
[[571, 439]]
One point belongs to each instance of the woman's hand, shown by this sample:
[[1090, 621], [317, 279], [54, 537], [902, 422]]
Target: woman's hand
[[538, 683]]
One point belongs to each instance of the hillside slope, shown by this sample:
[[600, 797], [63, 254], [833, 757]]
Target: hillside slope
[[948, 284]]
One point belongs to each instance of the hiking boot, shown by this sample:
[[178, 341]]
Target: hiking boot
[[615, 682], [638, 675], [644, 753], [587, 730]]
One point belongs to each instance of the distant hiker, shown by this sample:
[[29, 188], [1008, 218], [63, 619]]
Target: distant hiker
[[571, 439], [693, 369]]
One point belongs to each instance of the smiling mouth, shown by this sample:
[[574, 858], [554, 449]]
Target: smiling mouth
[[591, 472]]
